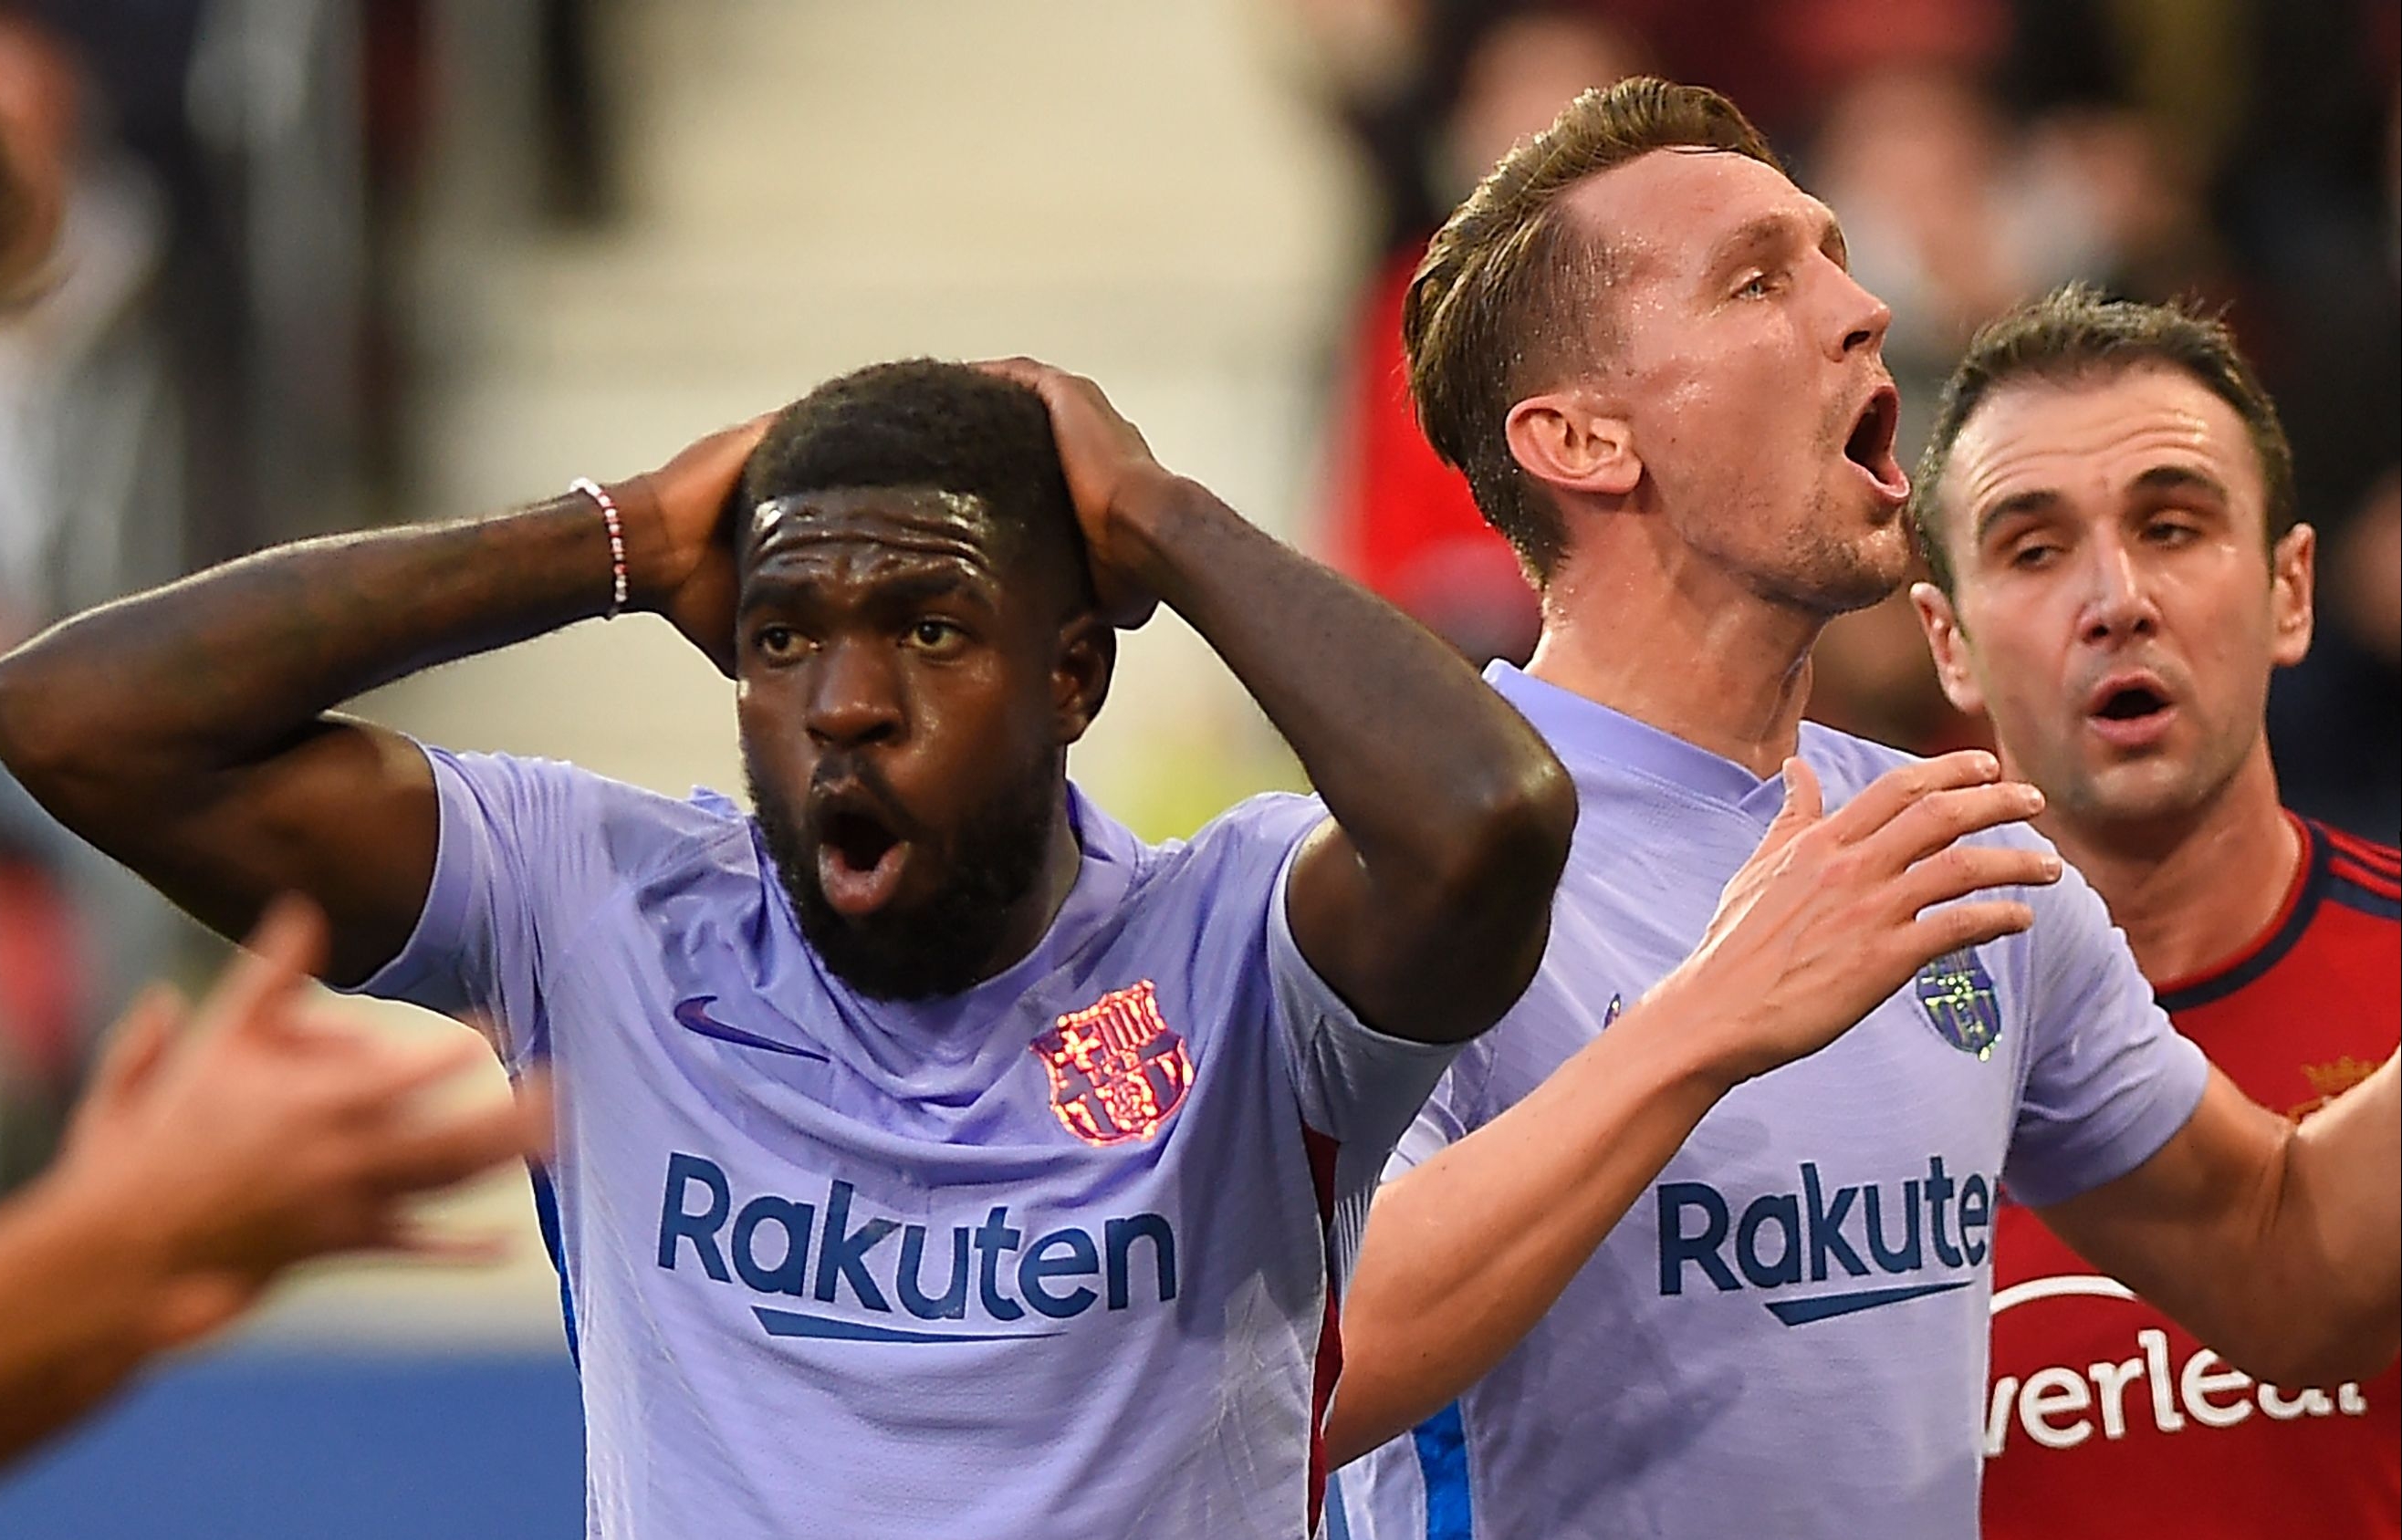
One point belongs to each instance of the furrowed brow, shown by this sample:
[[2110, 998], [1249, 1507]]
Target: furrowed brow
[[2170, 480], [2039, 500]]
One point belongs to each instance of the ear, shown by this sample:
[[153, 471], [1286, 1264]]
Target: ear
[[1949, 644], [2293, 584], [1565, 439], [1079, 675]]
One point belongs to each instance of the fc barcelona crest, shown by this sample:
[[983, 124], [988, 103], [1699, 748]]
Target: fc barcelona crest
[[1117, 1069], [1958, 994]]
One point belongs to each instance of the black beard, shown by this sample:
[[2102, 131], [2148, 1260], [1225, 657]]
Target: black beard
[[946, 943]]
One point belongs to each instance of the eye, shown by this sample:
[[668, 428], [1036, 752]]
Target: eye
[[2033, 556], [1757, 286], [932, 634], [2170, 532], [778, 641]]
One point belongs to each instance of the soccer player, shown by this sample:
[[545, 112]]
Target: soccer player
[[934, 1158], [1641, 343], [2106, 505], [207, 1160]]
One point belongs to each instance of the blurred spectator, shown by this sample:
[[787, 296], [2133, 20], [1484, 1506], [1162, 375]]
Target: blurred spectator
[[1400, 519]]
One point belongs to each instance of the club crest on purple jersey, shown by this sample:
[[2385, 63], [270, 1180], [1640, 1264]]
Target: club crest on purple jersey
[[1118, 1071], [1960, 1001]]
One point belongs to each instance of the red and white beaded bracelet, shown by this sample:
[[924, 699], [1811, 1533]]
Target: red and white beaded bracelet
[[608, 505]]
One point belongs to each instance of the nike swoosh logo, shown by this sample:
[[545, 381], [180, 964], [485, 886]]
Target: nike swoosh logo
[[693, 1016], [1824, 1307]]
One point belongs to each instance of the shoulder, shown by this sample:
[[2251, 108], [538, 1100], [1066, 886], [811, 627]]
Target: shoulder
[[1262, 828], [2362, 875], [549, 806]]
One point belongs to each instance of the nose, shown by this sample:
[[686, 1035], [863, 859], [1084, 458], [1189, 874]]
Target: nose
[[854, 697], [1860, 318], [2120, 607]]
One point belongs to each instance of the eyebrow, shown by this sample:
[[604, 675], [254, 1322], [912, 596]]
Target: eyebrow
[[2182, 478], [901, 592], [1769, 229], [2157, 479]]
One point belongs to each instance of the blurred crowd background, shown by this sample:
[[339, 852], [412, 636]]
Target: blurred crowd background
[[316, 265]]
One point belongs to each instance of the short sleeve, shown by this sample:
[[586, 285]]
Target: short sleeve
[[522, 863], [1358, 1087], [2109, 1079]]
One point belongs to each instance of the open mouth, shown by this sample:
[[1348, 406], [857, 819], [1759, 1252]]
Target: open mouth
[[859, 857], [2130, 711], [1871, 444], [2131, 704]]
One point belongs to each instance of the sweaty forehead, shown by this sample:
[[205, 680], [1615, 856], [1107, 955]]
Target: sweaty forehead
[[2092, 437], [1666, 210], [902, 521]]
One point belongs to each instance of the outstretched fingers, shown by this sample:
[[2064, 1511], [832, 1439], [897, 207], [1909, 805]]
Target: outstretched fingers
[[1961, 870], [1891, 794]]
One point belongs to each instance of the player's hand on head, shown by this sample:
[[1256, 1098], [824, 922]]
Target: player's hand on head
[[680, 524], [1835, 912], [252, 1133], [1108, 463]]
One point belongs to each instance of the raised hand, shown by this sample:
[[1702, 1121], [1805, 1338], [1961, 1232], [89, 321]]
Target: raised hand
[[1833, 913], [1107, 466], [260, 1136], [680, 534]]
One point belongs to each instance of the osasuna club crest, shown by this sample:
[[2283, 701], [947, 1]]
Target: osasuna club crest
[[1117, 1069], [1958, 994]]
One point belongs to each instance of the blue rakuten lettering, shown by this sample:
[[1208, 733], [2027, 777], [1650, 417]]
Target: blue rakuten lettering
[[1939, 1192], [1075, 1259], [1782, 1239], [795, 1220], [1781, 1210], [676, 1223], [842, 1254], [952, 1303], [1976, 1213], [1905, 1259], [1122, 1234], [1825, 1226], [992, 1238], [1677, 1248], [833, 1250]]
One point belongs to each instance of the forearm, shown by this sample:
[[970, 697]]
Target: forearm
[[158, 692], [2337, 1236], [1408, 748], [1465, 1254], [78, 1311]]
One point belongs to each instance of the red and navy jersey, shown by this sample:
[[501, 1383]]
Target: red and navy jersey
[[2105, 1419]]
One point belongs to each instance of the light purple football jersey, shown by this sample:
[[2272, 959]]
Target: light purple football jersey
[[1785, 1336], [1053, 1257]]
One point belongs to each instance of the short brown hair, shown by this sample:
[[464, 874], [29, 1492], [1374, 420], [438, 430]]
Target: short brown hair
[[1499, 306], [2075, 333]]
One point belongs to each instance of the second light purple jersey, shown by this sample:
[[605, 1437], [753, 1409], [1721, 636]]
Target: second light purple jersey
[[1786, 1335], [1053, 1257]]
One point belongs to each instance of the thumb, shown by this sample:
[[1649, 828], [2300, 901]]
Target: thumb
[[1803, 806]]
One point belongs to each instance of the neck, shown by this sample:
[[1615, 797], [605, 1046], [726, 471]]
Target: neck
[[1063, 862], [1676, 643], [2166, 879]]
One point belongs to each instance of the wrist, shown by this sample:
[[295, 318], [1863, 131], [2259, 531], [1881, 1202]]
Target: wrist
[[109, 1244], [1147, 519], [1694, 1035], [644, 546]]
